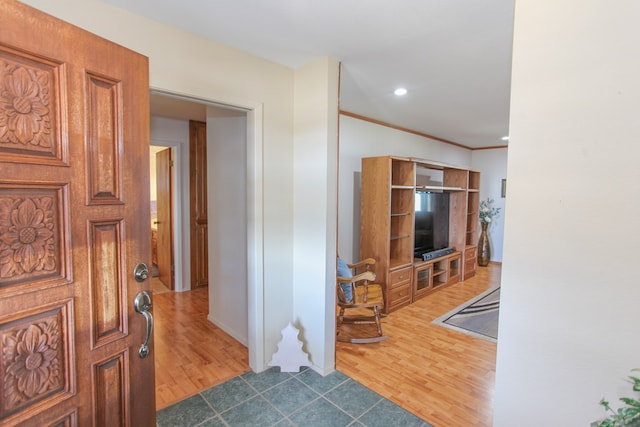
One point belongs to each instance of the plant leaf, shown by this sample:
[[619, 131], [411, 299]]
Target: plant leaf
[[631, 402], [630, 412]]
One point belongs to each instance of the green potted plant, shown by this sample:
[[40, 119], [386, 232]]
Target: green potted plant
[[626, 416]]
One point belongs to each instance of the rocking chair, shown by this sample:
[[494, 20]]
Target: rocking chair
[[357, 294]]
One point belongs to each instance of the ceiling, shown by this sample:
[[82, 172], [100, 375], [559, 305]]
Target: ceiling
[[453, 56]]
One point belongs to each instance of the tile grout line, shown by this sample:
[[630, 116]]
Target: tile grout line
[[317, 394]]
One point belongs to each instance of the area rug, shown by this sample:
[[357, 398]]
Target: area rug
[[477, 317]]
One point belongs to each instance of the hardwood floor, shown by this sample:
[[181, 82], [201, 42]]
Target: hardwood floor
[[191, 353], [443, 376]]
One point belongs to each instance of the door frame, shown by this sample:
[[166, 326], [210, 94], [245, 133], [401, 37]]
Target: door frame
[[255, 231]]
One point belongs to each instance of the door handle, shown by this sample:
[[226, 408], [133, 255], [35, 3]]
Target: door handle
[[142, 305]]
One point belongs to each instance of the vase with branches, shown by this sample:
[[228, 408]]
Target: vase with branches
[[487, 214]]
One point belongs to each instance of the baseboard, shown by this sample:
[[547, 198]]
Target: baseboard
[[229, 330]]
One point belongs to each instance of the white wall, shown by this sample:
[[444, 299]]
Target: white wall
[[358, 139], [186, 64], [569, 311], [315, 209], [492, 165], [227, 222]]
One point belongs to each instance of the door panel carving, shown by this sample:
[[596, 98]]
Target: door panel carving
[[37, 368], [31, 108], [33, 235]]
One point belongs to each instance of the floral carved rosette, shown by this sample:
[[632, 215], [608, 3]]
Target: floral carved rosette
[[24, 105], [27, 244], [31, 358]]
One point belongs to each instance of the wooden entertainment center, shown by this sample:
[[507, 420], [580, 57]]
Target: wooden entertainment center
[[387, 204]]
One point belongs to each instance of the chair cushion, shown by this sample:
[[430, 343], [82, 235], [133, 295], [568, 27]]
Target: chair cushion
[[345, 271]]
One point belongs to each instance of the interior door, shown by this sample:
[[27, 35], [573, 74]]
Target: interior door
[[198, 208], [74, 212], [164, 172]]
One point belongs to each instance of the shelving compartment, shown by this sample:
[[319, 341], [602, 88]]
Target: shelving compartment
[[401, 227], [474, 180], [473, 211], [402, 173], [456, 178], [440, 273]]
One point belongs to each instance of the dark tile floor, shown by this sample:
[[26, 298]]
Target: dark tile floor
[[274, 398]]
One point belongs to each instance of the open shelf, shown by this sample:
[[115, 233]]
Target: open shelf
[[403, 173], [404, 236], [474, 181], [437, 189]]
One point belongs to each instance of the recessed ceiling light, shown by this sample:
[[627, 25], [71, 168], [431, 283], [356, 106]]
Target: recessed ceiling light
[[400, 91], [505, 138]]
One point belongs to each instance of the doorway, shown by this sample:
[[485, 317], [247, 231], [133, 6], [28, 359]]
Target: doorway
[[161, 203], [170, 128]]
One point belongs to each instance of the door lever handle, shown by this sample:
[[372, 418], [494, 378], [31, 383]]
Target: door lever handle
[[142, 304]]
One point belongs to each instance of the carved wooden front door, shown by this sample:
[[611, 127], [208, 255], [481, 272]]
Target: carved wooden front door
[[74, 222]]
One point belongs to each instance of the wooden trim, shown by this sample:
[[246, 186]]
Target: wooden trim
[[403, 129], [492, 147]]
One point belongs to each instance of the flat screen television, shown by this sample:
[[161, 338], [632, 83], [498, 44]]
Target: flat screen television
[[431, 222]]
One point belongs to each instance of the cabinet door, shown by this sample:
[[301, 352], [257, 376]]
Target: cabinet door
[[455, 268], [422, 281], [470, 261]]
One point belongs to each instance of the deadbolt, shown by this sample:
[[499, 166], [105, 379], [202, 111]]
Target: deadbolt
[[141, 272]]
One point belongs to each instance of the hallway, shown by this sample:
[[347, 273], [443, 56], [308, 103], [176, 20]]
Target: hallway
[[191, 353]]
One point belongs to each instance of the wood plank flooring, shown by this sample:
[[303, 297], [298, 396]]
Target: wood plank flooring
[[191, 353], [443, 376]]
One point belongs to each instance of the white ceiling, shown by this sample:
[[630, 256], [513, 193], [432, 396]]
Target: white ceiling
[[453, 56]]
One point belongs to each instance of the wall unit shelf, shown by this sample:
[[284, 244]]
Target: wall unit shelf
[[432, 275], [387, 220], [439, 189]]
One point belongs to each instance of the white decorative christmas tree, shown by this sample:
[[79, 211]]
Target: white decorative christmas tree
[[290, 356]]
